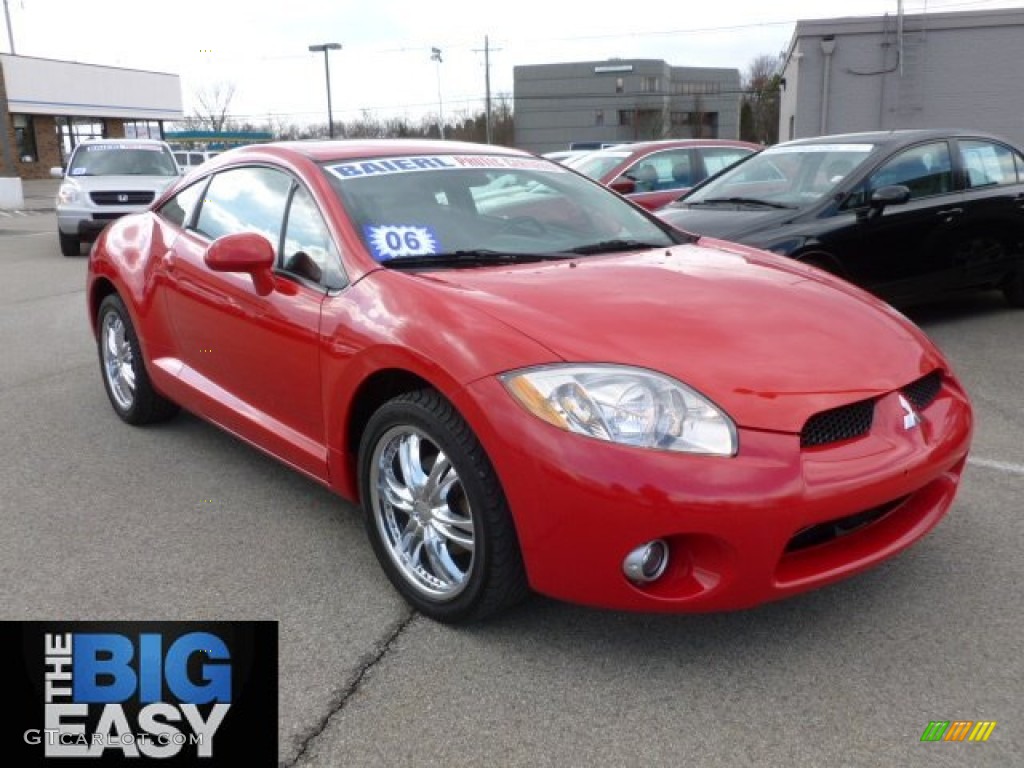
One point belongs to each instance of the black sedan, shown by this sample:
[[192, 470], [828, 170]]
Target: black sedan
[[909, 215]]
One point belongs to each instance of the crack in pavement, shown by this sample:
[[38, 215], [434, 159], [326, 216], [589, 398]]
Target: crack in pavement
[[366, 664]]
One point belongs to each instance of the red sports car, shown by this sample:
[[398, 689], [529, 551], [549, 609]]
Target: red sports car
[[528, 383], [655, 173]]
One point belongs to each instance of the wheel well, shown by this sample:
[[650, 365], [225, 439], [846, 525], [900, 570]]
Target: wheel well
[[822, 260], [371, 395], [100, 290]]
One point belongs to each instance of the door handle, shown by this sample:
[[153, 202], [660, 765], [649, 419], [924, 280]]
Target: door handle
[[949, 214]]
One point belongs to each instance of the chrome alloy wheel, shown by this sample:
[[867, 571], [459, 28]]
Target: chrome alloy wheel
[[118, 361], [422, 513]]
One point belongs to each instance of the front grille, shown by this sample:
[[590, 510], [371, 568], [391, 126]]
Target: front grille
[[822, 533], [122, 198], [843, 423], [922, 393]]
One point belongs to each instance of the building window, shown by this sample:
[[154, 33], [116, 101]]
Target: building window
[[696, 88], [143, 129], [678, 119], [649, 84], [625, 117], [73, 130], [599, 117], [25, 137], [619, 85]]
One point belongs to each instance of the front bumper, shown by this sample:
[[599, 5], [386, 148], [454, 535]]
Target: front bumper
[[86, 224], [742, 530]]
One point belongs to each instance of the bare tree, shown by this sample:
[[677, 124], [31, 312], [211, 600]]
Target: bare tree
[[212, 105], [761, 95]]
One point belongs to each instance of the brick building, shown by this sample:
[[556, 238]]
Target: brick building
[[48, 106]]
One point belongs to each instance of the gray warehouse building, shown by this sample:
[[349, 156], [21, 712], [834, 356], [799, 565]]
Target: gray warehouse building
[[622, 100], [931, 70]]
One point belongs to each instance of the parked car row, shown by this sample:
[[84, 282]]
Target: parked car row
[[909, 215], [654, 173]]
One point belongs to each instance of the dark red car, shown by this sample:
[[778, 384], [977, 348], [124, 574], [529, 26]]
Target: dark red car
[[527, 382], [655, 173]]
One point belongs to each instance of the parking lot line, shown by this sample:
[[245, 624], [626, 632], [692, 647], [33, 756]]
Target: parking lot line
[[1002, 466]]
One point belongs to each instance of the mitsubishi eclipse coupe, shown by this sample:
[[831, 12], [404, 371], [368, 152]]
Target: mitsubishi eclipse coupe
[[527, 383]]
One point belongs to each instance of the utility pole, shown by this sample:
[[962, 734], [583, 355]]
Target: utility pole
[[487, 84], [10, 32], [435, 55]]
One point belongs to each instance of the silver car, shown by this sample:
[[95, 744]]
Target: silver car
[[104, 180]]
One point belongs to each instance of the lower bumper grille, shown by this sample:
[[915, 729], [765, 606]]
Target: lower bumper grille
[[822, 533]]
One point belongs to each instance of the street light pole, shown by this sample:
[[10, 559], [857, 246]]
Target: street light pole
[[435, 55], [325, 47]]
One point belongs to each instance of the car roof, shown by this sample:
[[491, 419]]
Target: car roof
[[644, 147], [346, 149], [890, 138]]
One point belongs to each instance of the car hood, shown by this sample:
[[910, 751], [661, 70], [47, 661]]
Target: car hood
[[726, 222], [770, 341]]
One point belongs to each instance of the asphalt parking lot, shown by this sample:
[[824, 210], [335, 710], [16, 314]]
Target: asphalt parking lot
[[102, 521]]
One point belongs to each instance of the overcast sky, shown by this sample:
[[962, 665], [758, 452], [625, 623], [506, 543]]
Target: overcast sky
[[385, 64]]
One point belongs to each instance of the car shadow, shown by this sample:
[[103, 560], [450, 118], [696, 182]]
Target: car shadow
[[957, 308]]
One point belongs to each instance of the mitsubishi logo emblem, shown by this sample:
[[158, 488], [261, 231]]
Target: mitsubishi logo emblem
[[122, 198], [911, 418]]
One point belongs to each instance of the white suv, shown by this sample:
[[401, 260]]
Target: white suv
[[104, 180], [188, 159]]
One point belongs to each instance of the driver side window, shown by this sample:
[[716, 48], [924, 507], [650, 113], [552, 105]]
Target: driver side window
[[245, 200], [925, 170]]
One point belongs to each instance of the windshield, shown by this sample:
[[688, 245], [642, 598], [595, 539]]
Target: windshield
[[485, 206], [122, 160], [596, 164], [785, 176]]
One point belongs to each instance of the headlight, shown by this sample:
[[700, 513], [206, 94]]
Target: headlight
[[624, 405], [68, 193]]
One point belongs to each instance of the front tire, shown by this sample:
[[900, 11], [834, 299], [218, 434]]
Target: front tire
[[123, 369], [435, 512], [69, 244]]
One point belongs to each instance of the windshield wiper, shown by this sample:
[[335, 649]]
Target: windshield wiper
[[469, 258], [741, 201], [614, 246]]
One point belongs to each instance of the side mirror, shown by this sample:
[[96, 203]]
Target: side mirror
[[881, 198], [244, 252], [897, 194], [623, 185], [57, 173]]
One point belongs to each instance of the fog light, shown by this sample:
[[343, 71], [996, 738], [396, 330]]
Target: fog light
[[647, 562]]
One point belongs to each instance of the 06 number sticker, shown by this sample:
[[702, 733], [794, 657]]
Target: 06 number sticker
[[391, 241]]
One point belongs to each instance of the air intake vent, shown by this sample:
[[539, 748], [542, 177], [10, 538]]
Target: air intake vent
[[843, 423], [922, 393]]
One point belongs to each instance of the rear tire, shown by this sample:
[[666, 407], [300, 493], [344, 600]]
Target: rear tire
[[123, 368], [69, 244], [436, 514]]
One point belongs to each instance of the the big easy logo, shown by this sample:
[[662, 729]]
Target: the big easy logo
[[181, 693], [90, 674]]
